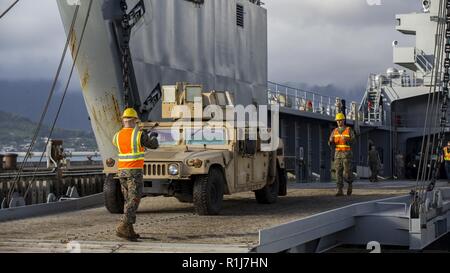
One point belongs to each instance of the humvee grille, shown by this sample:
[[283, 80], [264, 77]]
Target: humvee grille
[[155, 169]]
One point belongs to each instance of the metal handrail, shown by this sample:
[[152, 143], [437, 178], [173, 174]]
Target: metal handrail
[[421, 59], [299, 89], [306, 101]]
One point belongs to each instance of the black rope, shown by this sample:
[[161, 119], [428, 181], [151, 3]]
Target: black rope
[[46, 107], [8, 9]]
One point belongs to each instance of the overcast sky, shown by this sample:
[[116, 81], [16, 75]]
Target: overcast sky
[[311, 41]]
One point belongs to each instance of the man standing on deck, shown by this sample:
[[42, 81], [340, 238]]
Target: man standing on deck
[[342, 139], [131, 143], [399, 165], [374, 163], [446, 160]]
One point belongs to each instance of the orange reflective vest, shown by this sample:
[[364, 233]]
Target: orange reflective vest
[[342, 140], [131, 152], [446, 154]]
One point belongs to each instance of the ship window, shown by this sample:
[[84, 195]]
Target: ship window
[[240, 15]]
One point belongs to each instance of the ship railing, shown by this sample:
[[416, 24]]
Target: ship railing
[[301, 100], [306, 101], [422, 60], [373, 117], [410, 81]]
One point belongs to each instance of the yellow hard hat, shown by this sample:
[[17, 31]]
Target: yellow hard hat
[[130, 113], [340, 116]]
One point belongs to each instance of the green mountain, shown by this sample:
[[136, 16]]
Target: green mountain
[[16, 132]]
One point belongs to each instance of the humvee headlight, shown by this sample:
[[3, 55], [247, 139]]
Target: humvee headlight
[[196, 163], [174, 169], [110, 162]]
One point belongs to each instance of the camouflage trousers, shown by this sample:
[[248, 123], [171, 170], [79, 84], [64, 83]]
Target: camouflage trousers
[[344, 171], [374, 170], [132, 185]]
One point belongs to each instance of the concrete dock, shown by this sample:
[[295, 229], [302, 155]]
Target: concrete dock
[[166, 225]]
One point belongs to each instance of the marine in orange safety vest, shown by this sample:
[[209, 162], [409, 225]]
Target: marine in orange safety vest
[[342, 139], [131, 143]]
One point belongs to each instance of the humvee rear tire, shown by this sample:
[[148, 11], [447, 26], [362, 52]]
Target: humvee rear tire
[[269, 194], [114, 201], [208, 192]]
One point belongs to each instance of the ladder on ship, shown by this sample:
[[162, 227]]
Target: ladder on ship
[[373, 97]]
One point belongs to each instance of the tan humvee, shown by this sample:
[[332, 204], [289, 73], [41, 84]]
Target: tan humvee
[[198, 162]]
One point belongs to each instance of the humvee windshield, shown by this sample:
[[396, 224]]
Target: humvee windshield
[[168, 137], [206, 136], [192, 136]]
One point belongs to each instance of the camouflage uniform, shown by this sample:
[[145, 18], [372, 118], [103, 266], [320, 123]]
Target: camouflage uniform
[[343, 166], [399, 165], [132, 183], [374, 164], [132, 186], [343, 162]]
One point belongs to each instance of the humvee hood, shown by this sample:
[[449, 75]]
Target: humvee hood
[[177, 156]]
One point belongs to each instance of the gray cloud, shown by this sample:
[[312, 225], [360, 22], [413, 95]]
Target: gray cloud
[[32, 40], [332, 41], [311, 41]]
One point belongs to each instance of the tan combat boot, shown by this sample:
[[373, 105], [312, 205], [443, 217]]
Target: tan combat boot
[[123, 231], [133, 233]]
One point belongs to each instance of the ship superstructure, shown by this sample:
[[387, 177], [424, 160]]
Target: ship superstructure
[[397, 100]]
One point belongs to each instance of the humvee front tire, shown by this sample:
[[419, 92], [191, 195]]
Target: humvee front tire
[[114, 201], [269, 194], [208, 192]]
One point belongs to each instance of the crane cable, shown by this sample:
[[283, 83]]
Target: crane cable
[[427, 113], [8, 9], [432, 122], [63, 97], [430, 135], [444, 95], [46, 107]]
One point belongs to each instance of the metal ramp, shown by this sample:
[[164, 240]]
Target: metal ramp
[[65, 205], [387, 222], [48, 246]]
